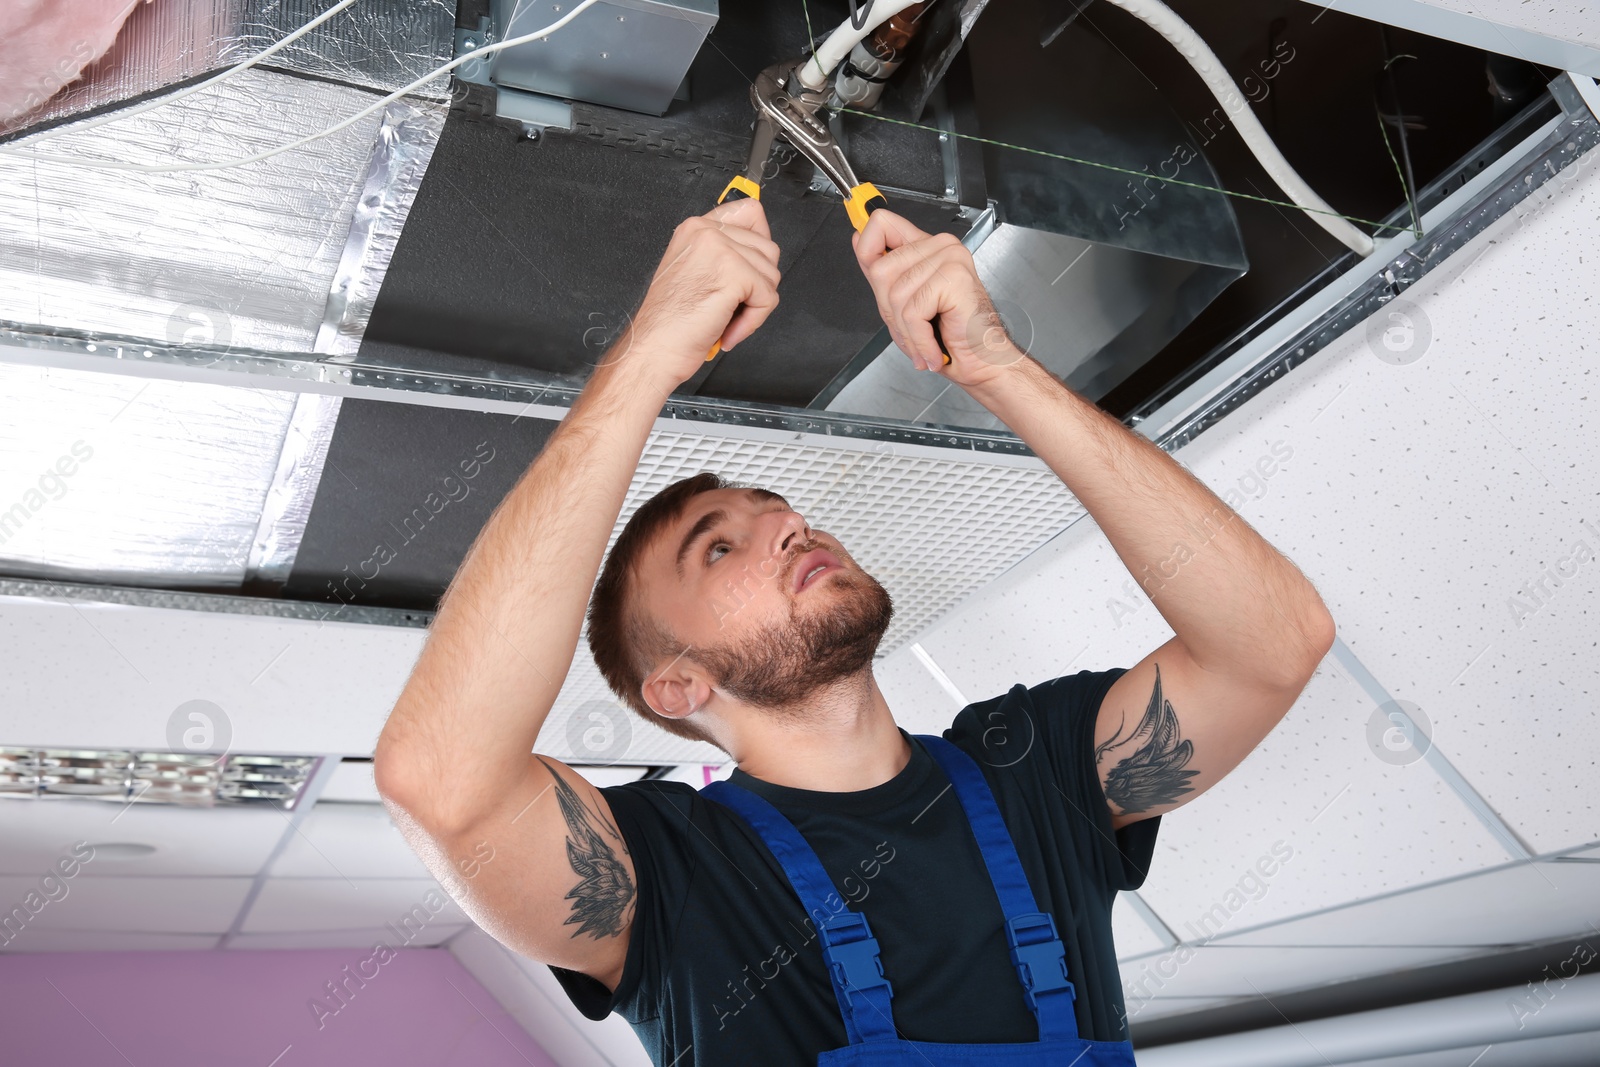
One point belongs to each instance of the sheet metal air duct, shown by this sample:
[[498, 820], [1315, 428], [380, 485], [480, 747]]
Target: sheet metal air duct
[[1093, 270]]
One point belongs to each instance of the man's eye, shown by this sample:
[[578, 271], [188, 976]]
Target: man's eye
[[711, 556]]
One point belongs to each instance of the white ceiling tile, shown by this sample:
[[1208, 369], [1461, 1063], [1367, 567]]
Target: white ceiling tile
[[531, 995], [918, 702], [107, 941], [1515, 904], [600, 777], [352, 781], [1070, 607], [430, 935], [1131, 933], [288, 905], [343, 840], [1422, 498], [188, 841], [133, 905], [96, 675], [1312, 818]]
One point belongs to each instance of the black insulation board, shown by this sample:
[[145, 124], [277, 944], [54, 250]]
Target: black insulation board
[[535, 253], [404, 492]]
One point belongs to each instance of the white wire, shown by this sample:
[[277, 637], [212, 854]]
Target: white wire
[[1181, 36], [269, 153], [814, 72], [151, 105]]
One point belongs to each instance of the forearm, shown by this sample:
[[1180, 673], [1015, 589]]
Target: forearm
[[1237, 604], [508, 626]]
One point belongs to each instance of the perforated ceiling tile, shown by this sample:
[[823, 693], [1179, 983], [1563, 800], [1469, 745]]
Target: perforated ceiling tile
[[931, 525], [1314, 817], [916, 699], [1071, 607], [1131, 933], [1429, 499], [1574, 22]]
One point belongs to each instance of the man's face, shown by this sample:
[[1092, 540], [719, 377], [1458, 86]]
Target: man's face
[[771, 608]]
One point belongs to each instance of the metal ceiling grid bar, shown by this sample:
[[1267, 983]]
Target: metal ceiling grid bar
[[320, 777], [1473, 30], [1564, 856], [528, 394], [1394, 266], [1497, 827]]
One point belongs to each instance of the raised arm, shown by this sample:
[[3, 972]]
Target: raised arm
[[1250, 627], [526, 846]]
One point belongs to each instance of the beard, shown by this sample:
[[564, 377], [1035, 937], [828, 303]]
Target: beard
[[782, 664]]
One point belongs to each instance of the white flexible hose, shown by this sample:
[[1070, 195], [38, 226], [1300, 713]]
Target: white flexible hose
[[815, 71], [1166, 22]]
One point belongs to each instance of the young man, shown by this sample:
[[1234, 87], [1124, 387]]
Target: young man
[[666, 904]]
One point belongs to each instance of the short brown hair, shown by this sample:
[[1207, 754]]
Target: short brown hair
[[625, 640]]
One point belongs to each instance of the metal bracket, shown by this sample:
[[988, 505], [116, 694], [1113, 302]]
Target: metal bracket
[[534, 111]]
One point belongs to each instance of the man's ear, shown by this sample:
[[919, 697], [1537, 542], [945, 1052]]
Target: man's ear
[[677, 688]]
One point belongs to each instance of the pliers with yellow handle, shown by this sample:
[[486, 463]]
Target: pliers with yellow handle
[[792, 116]]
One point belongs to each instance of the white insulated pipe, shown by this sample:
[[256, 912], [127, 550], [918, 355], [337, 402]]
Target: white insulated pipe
[[1178, 33], [814, 73]]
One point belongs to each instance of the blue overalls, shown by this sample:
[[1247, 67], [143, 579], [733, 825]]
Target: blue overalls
[[850, 952]]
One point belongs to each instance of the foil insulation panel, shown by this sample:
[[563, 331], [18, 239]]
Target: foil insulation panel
[[379, 44], [243, 255], [106, 477]]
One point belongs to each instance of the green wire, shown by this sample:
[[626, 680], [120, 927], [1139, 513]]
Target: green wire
[[1416, 223], [1125, 170], [804, 6]]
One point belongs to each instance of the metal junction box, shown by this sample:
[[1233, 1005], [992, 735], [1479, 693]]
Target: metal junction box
[[630, 54]]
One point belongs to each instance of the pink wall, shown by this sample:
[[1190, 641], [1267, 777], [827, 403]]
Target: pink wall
[[252, 1009]]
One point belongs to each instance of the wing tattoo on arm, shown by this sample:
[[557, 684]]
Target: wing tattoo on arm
[[1150, 771], [604, 890]]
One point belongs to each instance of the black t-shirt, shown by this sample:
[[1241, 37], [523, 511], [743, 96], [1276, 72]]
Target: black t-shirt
[[723, 966]]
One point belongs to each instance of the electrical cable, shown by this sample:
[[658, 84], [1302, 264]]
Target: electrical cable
[[539, 34]]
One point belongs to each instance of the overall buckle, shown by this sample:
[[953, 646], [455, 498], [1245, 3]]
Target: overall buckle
[[854, 952], [1039, 956]]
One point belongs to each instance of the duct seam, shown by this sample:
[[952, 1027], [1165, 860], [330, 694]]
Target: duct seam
[[401, 150], [287, 506]]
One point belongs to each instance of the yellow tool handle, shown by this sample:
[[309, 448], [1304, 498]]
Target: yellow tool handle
[[740, 188], [863, 200]]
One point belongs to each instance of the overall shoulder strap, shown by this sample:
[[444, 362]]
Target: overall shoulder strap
[[1036, 949], [849, 951]]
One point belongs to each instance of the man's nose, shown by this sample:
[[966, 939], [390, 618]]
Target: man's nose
[[792, 531]]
